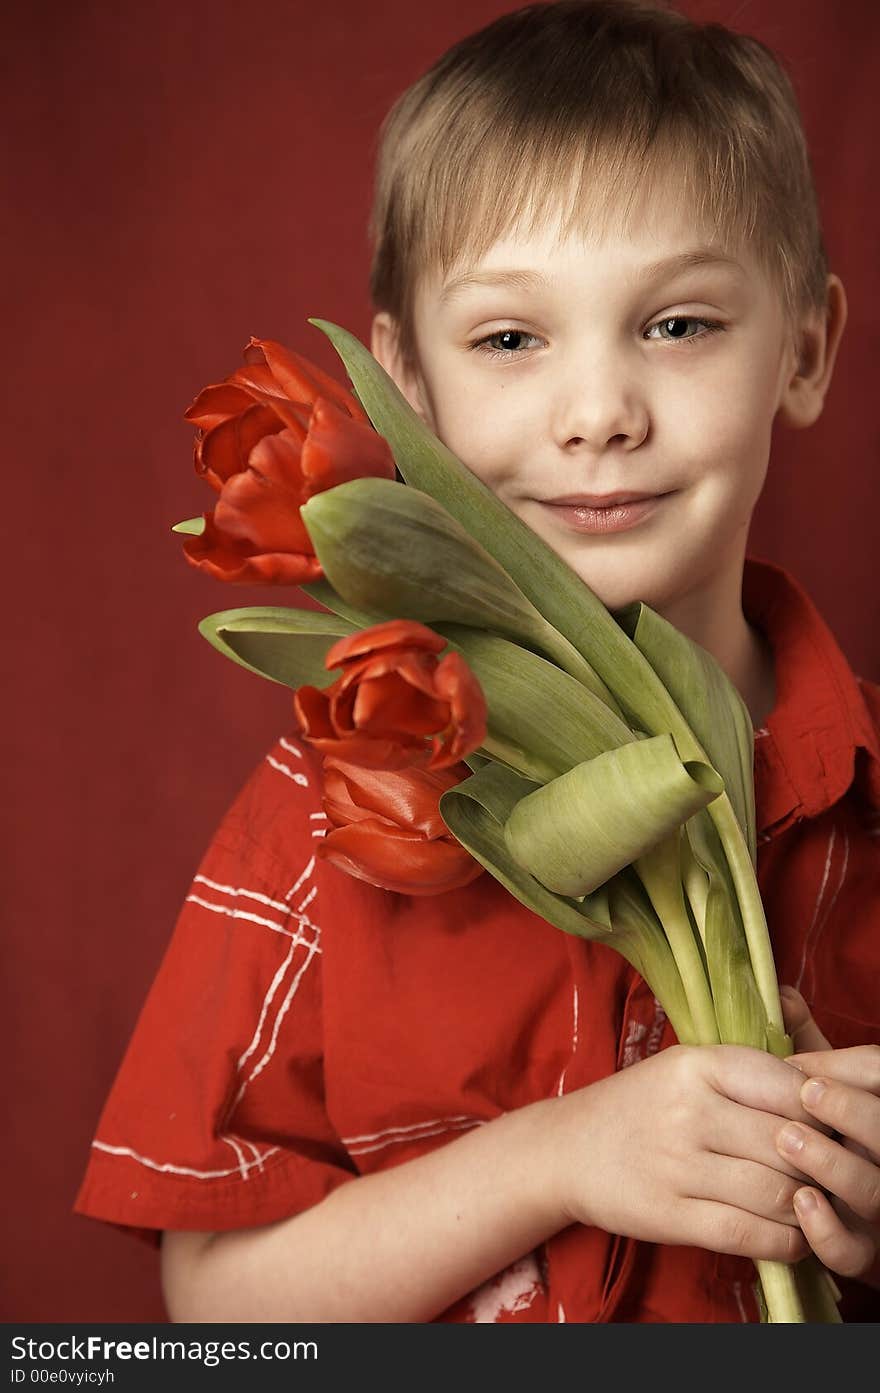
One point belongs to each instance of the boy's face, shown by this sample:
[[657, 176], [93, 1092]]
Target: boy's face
[[592, 390]]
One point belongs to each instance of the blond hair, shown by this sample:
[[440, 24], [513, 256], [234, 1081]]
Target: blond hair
[[589, 102]]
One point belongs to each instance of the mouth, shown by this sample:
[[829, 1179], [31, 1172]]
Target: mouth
[[614, 512], [599, 500]]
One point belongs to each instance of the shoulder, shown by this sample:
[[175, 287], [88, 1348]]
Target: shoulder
[[279, 810]]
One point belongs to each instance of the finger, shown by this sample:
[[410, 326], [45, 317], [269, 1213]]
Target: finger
[[842, 1250], [724, 1228], [761, 1190], [756, 1079], [799, 1022], [750, 1135], [859, 1065], [841, 1172], [852, 1112]]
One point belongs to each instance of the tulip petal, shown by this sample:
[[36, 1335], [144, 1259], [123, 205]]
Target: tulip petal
[[227, 559], [217, 403], [225, 449], [389, 703], [260, 505], [300, 379], [405, 864], [337, 800], [415, 669], [405, 798], [339, 449], [455, 683], [265, 569], [313, 713], [370, 752], [394, 633]]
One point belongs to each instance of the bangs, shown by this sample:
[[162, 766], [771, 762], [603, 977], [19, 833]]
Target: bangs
[[603, 194]]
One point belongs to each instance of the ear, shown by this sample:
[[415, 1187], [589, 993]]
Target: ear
[[818, 340], [384, 346]]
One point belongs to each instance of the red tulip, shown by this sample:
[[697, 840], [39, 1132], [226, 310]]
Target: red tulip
[[386, 828], [392, 696], [277, 431]]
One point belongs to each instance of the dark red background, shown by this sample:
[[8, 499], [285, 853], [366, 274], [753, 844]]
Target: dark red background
[[184, 175]]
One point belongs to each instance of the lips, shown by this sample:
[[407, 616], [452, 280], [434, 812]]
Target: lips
[[626, 510], [597, 500]]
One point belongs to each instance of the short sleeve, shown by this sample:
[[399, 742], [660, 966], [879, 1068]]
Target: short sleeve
[[216, 1118]]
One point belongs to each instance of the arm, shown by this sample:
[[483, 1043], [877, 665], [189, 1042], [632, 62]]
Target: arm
[[397, 1246], [679, 1148]]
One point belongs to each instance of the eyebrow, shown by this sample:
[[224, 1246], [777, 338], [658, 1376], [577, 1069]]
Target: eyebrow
[[517, 279]]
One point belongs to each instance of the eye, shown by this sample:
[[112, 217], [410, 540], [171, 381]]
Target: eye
[[677, 335], [504, 343]]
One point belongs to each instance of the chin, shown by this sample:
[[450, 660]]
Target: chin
[[616, 593]]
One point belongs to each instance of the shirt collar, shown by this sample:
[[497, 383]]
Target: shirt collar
[[807, 753]]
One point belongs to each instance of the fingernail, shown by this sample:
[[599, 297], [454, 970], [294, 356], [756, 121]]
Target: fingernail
[[791, 1139], [805, 1201], [812, 1091]]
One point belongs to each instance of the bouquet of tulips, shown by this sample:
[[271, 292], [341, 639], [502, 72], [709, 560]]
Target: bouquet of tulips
[[490, 714]]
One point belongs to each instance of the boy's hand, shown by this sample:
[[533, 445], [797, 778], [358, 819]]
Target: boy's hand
[[840, 1215], [681, 1149]]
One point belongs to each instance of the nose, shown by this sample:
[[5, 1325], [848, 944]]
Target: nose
[[599, 404]]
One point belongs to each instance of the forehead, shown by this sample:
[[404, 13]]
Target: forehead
[[662, 243]]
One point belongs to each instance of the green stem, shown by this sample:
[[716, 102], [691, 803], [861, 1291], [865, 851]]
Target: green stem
[[819, 1292], [660, 873], [780, 1291], [751, 908], [695, 883]]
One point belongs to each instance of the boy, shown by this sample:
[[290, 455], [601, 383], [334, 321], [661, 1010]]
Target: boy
[[344, 1104]]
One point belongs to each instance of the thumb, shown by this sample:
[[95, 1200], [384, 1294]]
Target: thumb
[[805, 1033]]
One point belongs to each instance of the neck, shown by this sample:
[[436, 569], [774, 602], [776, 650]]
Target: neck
[[713, 617]]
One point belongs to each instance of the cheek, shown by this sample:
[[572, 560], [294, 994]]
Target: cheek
[[485, 434], [729, 431]]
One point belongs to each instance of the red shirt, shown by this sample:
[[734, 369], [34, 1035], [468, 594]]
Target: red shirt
[[306, 1028]]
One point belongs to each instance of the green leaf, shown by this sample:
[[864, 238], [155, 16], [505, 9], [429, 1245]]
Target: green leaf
[[520, 687], [191, 527], [579, 830], [286, 645], [322, 591], [717, 714], [392, 549], [476, 812]]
